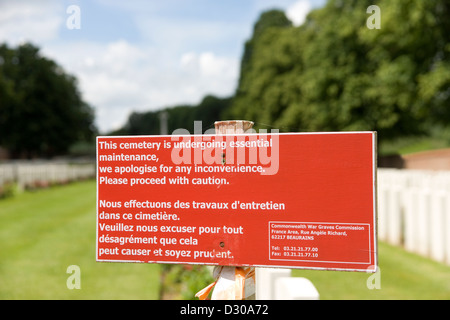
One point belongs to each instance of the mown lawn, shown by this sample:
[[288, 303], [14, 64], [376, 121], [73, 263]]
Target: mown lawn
[[402, 275], [44, 232]]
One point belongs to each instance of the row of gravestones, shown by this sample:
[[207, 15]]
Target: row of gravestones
[[28, 174], [414, 211]]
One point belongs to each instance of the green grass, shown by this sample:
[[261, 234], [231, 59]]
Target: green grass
[[437, 138], [402, 275], [44, 232], [405, 146]]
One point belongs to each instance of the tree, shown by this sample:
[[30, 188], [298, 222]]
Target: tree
[[209, 110], [41, 110], [268, 55], [407, 59], [270, 19], [334, 73]]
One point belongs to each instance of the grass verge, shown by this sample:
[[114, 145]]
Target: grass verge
[[402, 275], [42, 233]]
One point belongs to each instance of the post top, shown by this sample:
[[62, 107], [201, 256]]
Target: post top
[[232, 126]]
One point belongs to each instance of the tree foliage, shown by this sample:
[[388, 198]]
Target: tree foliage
[[209, 110], [41, 110], [334, 73]]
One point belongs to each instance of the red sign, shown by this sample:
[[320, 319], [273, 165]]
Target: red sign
[[303, 200]]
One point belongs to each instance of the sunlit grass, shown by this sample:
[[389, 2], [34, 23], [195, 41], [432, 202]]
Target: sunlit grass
[[402, 275], [44, 232]]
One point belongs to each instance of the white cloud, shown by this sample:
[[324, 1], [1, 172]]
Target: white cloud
[[30, 20], [173, 59], [176, 35], [120, 77], [115, 78], [298, 11], [208, 73], [207, 64]]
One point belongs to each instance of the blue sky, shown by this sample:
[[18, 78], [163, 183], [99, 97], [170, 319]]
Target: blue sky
[[140, 55]]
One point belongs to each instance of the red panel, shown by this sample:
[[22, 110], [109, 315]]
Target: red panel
[[307, 202]]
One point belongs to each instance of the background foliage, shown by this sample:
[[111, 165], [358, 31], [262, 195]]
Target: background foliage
[[208, 110], [41, 110], [334, 73]]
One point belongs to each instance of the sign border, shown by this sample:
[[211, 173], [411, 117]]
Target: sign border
[[312, 261], [371, 269]]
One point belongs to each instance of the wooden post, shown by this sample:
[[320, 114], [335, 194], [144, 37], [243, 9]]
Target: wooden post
[[232, 126], [163, 123], [233, 283]]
